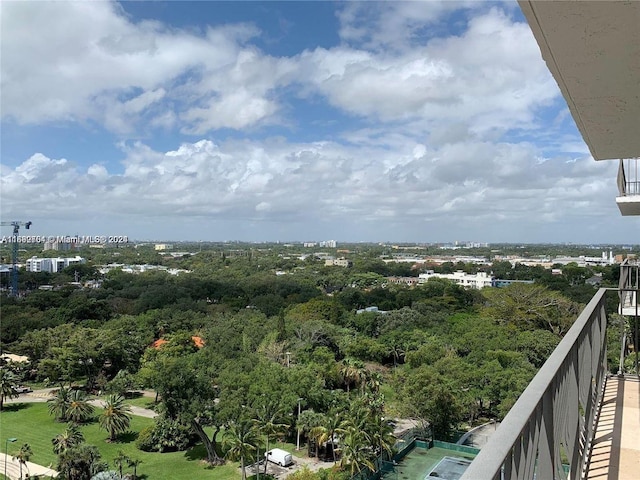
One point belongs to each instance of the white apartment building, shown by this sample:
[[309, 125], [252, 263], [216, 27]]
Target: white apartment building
[[477, 281], [51, 265]]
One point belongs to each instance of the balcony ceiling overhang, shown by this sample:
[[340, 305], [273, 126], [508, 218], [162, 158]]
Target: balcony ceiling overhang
[[592, 49]]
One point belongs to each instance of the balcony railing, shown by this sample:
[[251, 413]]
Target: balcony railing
[[552, 423], [628, 200], [629, 289], [628, 177]]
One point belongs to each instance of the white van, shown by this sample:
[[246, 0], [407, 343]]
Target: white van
[[279, 456]]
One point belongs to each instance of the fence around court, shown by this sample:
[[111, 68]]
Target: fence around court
[[403, 445]]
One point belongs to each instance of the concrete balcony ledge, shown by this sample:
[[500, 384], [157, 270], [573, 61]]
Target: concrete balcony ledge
[[629, 205]]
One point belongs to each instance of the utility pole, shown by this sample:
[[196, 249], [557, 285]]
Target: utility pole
[[298, 426], [14, 271]]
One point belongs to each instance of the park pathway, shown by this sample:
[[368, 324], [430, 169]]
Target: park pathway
[[45, 394], [13, 468]]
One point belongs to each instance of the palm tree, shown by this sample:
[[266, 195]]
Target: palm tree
[[8, 382], [23, 456], [348, 372], [70, 438], [115, 418], [353, 371], [134, 462], [120, 460], [359, 415], [356, 452], [79, 410], [307, 421], [80, 462], [267, 420], [59, 405], [241, 440], [397, 352], [318, 431], [380, 434], [327, 432]]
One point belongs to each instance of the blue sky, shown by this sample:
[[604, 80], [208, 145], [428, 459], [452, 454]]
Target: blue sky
[[355, 121]]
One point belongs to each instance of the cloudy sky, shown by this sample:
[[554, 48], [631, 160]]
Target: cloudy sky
[[374, 121]]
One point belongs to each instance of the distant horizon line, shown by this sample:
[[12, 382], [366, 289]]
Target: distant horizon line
[[378, 243]]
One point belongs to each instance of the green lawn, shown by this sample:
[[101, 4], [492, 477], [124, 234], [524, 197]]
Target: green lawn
[[143, 402], [31, 423]]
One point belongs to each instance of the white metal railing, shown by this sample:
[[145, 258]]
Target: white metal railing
[[553, 420]]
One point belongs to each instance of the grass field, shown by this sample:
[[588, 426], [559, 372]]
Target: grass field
[[142, 402], [31, 423]]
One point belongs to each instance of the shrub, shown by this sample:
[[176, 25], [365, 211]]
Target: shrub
[[165, 436], [145, 441]]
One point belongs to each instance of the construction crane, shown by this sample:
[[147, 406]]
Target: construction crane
[[14, 271]]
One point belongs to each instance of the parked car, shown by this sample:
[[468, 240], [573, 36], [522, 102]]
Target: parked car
[[23, 389]]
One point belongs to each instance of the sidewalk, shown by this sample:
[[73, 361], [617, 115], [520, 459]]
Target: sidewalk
[[139, 411], [13, 469]]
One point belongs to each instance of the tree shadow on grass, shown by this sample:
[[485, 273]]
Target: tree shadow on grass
[[15, 407], [196, 453], [127, 437]]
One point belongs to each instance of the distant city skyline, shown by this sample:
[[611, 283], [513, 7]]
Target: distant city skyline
[[264, 121]]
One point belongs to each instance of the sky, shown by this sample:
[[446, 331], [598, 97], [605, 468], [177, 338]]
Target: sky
[[416, 121]]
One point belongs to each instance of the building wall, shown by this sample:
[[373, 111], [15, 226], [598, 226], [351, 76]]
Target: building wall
[[338, 262], [51, 265], [477, 281]]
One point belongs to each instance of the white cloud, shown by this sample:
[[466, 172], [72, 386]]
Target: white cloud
[[435, 145], [238, 109], [79, 61], [127, 76], [290, 183], [395, 25], [491, 77], [98, 171]]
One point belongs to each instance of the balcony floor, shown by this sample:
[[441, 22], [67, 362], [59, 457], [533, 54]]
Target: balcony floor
[[616, 449]]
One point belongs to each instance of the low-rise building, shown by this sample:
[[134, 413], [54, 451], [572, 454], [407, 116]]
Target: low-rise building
[[338, 262], [466, 280], [404, 280]]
